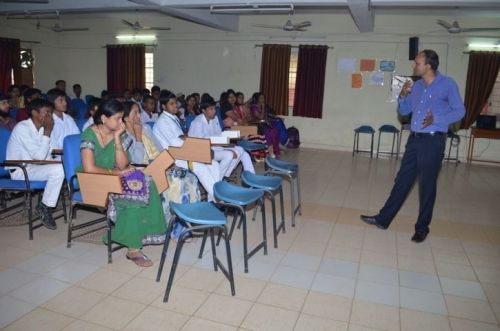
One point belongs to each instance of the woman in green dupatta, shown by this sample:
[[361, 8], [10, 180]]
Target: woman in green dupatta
[[135, 215]]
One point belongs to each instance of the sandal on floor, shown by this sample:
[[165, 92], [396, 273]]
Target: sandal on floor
[[146, 262]]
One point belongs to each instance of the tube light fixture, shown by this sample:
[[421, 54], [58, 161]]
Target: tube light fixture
[[483, 46], [252, 9], [136, 37]]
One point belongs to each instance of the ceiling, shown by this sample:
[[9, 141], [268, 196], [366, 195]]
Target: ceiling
[[362, 12]]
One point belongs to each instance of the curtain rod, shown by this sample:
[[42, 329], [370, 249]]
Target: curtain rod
[[150, 45], [292, 46]]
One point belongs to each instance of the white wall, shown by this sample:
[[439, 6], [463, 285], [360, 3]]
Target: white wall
[[194, 58]]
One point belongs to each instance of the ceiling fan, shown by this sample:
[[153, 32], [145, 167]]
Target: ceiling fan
[[455, 27], [57, 27], [136, 26], [289, 26]]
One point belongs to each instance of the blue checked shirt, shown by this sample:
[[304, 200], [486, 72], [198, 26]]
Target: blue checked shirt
[[441, 97]]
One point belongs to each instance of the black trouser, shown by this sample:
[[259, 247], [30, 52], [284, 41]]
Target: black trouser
[[422, 158]]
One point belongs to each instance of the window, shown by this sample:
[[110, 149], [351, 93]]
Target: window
[[292, 77], [149, 68], [493, 106]]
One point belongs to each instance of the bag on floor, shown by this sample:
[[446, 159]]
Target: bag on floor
[[293, 137]]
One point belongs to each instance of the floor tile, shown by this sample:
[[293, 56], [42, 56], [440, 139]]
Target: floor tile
[[458, 324], [262, 318], [140, 290], [153, 318], [41, 263], [256, 269], [342, 286], [246, 288], [462, 288], [308, 322], [377, 274], [282, 296], [419, 281], [328, 306], [182, 300], [11, 279], [224, 309], [74, 301], [78, 325], [476, 310], [40, 319], [104, 280], [196, 324], [412, 320], [339, 267], [72, 272], [375, 315], [301, 261], [379, 293], [12, 308], [293, 277], [113, 312], [39, 290], [430, 302]]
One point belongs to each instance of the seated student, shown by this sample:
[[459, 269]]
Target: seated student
[[138, 213], [105, 95], [77, 90], [137, 96], [93, 105], [127, 94], [6, 122], [148, 115], [260, 111], [15, 99], [64, 125], [30, 140], [168, 131], [61, 85], [207, 125], [29, 95]]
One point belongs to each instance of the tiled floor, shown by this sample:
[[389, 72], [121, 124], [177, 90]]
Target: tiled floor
[[330, 272]]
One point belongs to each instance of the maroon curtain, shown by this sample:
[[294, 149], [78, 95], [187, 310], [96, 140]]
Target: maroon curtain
[[274, 71], [310, 84], [125, 67], [10, 59], [481, 76]]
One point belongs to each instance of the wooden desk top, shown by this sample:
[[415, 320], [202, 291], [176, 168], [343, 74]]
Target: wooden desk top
[[485, 133]]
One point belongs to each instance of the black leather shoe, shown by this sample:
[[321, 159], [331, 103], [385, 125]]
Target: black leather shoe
[[372, 221], [418, 237], [46, 216]]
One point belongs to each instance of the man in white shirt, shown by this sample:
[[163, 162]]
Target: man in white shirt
[[148, 113], [207, 125], [30, 140], [167, 130], [64, 125]]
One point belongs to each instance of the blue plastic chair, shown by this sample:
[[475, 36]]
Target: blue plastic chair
[[359, 130], [89, 98], [290, 171], [271, 185], [71, 161], [79, 107], [27, 187], [237, 199], [387, 128], [196, 217], [249, 146], [80, 122]]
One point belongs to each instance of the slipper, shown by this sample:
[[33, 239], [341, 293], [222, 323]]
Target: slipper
[[137, 259]]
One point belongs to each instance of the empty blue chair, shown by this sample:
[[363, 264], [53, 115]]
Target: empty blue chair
[[238, 199], [366, 129], [79, 107], [387, 128], [196, 217], [290, 171], [271, 185]]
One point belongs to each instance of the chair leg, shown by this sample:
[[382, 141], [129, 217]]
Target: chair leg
[[70, 225], [378, 143], [245, 243], [214, 252], [292, 190], [273, 209], [264, 230], [298, 193], [282, 207], [165, 247], [229, 260], [392, 146], [110, 244], [178, 250], [29, 206], [354, 144], [371, 148], [203, 242]]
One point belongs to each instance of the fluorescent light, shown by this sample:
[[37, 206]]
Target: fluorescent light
[[251, 9], [136, 37], [483, 46]]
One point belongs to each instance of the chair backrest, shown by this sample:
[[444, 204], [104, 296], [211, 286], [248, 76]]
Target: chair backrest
[[80, 122], [89, 98], [71, 158], [80, 106], [4, 138]]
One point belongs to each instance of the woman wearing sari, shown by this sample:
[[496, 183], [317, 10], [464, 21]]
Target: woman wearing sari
[[137, 212]]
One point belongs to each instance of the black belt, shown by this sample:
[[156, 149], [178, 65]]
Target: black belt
[[425, 134]]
